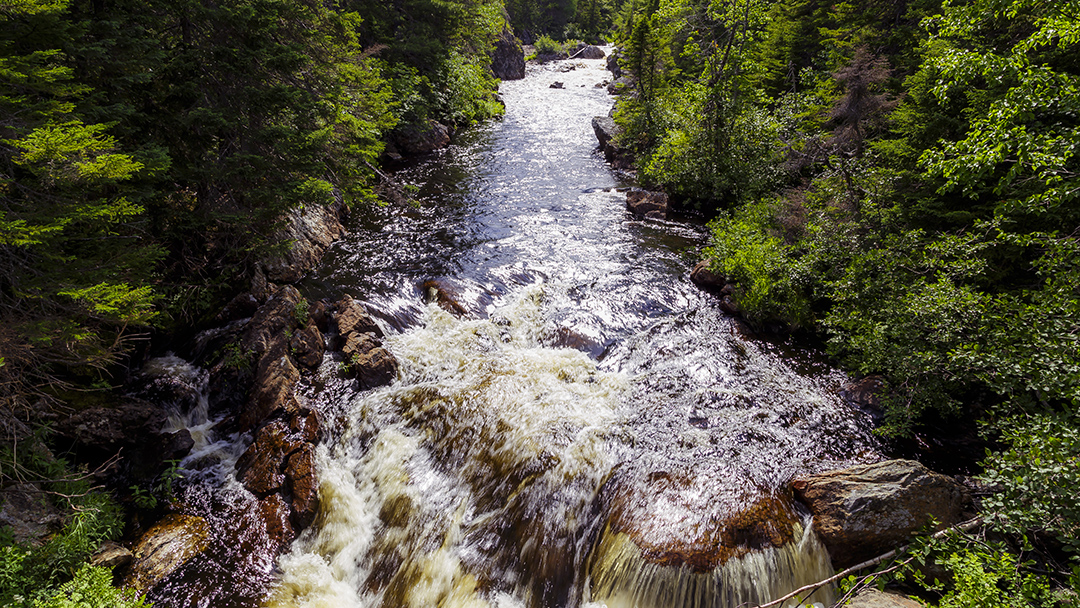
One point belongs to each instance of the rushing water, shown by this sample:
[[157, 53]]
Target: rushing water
[[593, 432]]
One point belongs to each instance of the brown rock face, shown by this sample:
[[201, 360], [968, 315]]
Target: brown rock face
[[702, 276], [272, 320], [307, 346], [872, 598], [446, 296], [274, 512], [303, 485], [376, 367], [274, 389], [649, 205], [168, 545], [262, 466], [352, 318], [867, 510], [357, 344]]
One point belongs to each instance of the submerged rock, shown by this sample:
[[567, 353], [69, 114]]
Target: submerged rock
[[168, 545], [648, 205], [867, 510]]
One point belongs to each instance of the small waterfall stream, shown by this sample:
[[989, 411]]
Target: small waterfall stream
[[595, 432]]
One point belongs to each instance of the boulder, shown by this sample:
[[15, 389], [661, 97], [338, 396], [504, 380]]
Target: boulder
[[168, 545], [272, 320], [261, 468], [273, 392], [867, 510], [274, 512], [645, 204], [422, 139], [587, 51], [309, 230], [508, 57], [605, 129], [307, 346], [242, 306], [872, 598], [357, 344], [446, 296], [703, 276], [377, 367], [622, 84], [303, 486], [106, 429], [27, 512], [111, 555], [352, 317], [556, 85], [613, 63]]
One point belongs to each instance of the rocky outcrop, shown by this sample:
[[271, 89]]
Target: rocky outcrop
[[622, 84], [27, 513], [867, 510], [647, 205], [607, 132], [421, 139], [309, 230], [168, 545], [365, 358], [587, 51], [613, 63], [508, 57], [279, 468], [872, 598]]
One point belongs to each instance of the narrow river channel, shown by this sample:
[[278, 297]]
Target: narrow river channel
[[594, 431]]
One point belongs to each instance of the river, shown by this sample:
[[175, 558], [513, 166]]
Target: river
[[594, 431]]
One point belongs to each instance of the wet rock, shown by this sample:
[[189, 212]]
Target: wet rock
[[422, 139], [303, 485], [729, 306], [872, 598], [274, 512], [306, 426], [377, 367], [508, 57], [587, 51], [274, 390], [645, 204], [272, 320], [352, 317], [446, 296], [703, 276], [605, 129], [261, 468], [310, 230], [175, 446], [105, 429], [112, 555], [679, 539], [556, 85], [357, 344], [307, 346], [867, 510], [27, 512], [567, 337], [168, 545]]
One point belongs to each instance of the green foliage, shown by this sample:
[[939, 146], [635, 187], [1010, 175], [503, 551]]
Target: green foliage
[[32, 574], [161, 491], [92, 588], [546, 45], [1038, 477]]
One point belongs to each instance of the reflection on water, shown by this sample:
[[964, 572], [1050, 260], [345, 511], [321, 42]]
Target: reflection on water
[[594, 432]]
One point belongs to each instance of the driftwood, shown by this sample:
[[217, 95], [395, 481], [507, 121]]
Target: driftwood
[[807, 589]]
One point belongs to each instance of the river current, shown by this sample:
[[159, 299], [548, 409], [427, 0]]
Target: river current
[[590, 430]]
